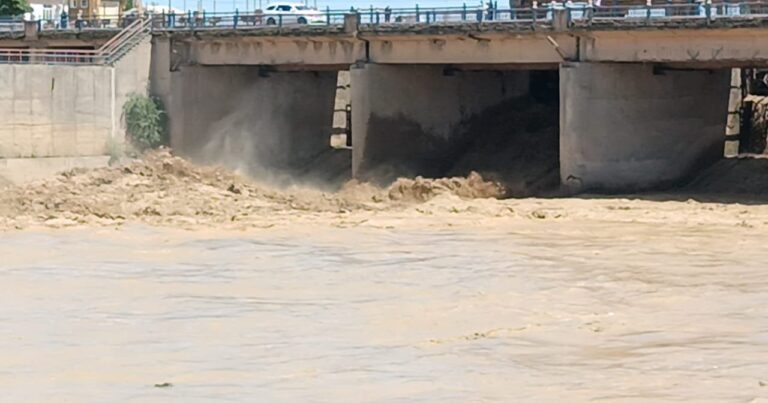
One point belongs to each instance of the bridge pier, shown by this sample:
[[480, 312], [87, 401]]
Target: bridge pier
[[629, 127], [261, 122], [409, 120]]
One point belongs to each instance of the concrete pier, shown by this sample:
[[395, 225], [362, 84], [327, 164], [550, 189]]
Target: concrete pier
[[249, 119], [407, 120], [628, 127]]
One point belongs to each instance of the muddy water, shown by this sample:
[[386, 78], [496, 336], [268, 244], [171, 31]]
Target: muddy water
[[537, 312]]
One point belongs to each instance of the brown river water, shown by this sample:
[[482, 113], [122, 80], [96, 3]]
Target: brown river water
[[524, 310]]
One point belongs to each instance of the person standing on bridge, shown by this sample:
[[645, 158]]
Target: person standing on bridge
[[387, 13], [490, 10]]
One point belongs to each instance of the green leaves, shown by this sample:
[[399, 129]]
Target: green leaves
[[13, 8], [145, 121]]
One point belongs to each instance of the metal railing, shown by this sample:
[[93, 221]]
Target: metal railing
[[652, 13], [98, 23], [108, 53], [576, 13]]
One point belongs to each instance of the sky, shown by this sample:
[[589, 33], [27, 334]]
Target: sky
[[230, 5]]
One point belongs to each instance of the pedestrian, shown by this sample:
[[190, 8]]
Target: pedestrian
[[79, 20], [490, 11], [64, 20], [387, 13]]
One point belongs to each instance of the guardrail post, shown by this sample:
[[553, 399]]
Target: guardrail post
[[328, 15], [280, 20], [464, 12], [351, 23], [560, 19], [30, 30], [237, 16], [648, 12], [418, 17]]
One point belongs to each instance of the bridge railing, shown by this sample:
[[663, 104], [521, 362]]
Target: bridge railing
[[369, 16], [651, 13], [100, 23], [106, 54], [543, 13]]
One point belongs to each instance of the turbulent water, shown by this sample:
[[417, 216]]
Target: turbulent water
[[535, 311]]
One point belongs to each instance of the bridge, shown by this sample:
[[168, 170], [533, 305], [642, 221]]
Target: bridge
[[643, 90]]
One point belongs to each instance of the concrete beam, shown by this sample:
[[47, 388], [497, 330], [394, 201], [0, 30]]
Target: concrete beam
[[629, 127], [472, 49], [275, 51], [702, 48]]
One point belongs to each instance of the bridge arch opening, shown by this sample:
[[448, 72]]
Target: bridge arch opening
[[437, 121]]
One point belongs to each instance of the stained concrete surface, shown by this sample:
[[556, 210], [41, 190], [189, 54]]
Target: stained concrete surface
[[628, 127]]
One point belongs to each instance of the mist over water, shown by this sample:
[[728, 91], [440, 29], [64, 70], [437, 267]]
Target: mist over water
[[266, 137]]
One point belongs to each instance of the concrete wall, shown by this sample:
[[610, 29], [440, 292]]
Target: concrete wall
[[160, 70], [54, 111], [626, 127], [256, 122], [406, 120], [66, 111]]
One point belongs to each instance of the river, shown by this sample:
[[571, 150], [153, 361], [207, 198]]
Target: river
[[538, 311]]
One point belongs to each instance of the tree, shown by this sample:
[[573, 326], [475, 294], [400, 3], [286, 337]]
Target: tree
[[14, 8], [127, 5]]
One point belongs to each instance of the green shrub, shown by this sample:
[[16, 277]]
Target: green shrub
[[13, 8], [145, 121]]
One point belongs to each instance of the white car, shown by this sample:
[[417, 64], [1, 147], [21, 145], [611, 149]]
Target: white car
[[292, 13]]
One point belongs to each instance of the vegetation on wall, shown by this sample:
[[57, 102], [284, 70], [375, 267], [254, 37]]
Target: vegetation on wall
[[145, 122], [14, 8]]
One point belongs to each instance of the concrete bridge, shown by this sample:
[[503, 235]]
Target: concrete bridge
[[642, 99]]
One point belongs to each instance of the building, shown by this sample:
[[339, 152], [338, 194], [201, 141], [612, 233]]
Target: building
[[94, 12], [48, 11], [93, 9]]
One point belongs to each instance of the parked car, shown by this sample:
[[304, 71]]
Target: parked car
[[292, 13]]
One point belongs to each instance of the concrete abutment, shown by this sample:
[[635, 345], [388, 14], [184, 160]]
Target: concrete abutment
[[631, 127]]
